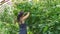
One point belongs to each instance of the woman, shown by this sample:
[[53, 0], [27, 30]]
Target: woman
[[21, 20]]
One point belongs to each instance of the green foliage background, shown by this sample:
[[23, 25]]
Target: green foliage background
[[44, 17]]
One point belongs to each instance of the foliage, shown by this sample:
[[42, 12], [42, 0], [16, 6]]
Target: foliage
[[7, 25], [44, 17]]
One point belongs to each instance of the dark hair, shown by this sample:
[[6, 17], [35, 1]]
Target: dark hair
[[19, 15]]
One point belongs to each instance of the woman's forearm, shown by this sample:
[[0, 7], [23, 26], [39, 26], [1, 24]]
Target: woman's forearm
[[26, 16]]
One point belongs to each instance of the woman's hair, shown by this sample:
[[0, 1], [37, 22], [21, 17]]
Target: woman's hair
[[20, 14]]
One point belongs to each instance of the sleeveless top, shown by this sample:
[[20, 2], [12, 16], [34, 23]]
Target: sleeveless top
[[23, 29]]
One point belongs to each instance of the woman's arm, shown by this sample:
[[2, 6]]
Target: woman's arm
[[26, 16]]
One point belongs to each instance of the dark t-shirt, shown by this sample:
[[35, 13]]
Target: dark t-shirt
[[23, 25], [23, 29]]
